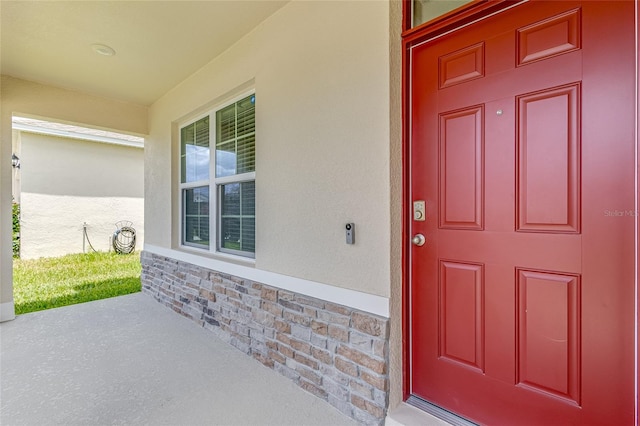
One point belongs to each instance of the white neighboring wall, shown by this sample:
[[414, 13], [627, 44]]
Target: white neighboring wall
[[66, 182], [21, 97]]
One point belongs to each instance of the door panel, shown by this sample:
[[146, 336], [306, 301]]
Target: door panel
[[461, 313], [549, 333], [522, 147], [550, 37], [548, 165], [461, 169]]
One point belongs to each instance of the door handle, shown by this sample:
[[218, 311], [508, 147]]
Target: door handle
[[418, 240]]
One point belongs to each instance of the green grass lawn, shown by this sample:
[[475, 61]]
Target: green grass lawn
[[76, 278]]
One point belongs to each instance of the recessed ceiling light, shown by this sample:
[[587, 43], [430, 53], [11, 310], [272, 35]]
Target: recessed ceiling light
[[103, 49]]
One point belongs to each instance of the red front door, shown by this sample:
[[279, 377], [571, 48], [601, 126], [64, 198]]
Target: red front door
[[522, 148]]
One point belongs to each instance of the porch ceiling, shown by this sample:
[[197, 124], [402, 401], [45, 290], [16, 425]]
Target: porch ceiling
[[158, 43]]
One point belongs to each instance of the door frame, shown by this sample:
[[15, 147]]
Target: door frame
[[475, 11]]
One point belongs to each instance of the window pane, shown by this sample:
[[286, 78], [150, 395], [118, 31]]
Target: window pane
[[202, 132], [235, 129], [237, 217], [186, 138], [426, 10], [248, 198], [196, 216], [247, 115], [248, 234], [195, 155], [247, 154], [231, 199], [226, 119], [231, 233], [226, 159]]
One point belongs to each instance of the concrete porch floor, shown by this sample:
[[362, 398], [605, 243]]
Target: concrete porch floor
[[130, 360]]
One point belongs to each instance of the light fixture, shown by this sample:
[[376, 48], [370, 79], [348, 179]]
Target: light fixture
[[103, 49], [15, 161]]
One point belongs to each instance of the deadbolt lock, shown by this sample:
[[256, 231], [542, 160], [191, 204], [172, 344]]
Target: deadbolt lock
[[419, 211]]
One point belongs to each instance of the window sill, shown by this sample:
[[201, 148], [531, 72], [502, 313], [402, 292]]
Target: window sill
[[224, 257]]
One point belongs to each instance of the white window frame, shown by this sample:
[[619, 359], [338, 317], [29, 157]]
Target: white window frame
[[214, 183]]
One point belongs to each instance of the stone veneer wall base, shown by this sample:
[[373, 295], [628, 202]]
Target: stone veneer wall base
[[335, 352]]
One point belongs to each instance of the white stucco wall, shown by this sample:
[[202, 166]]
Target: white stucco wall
[[320, 70], [67, 182], [27, 98]]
